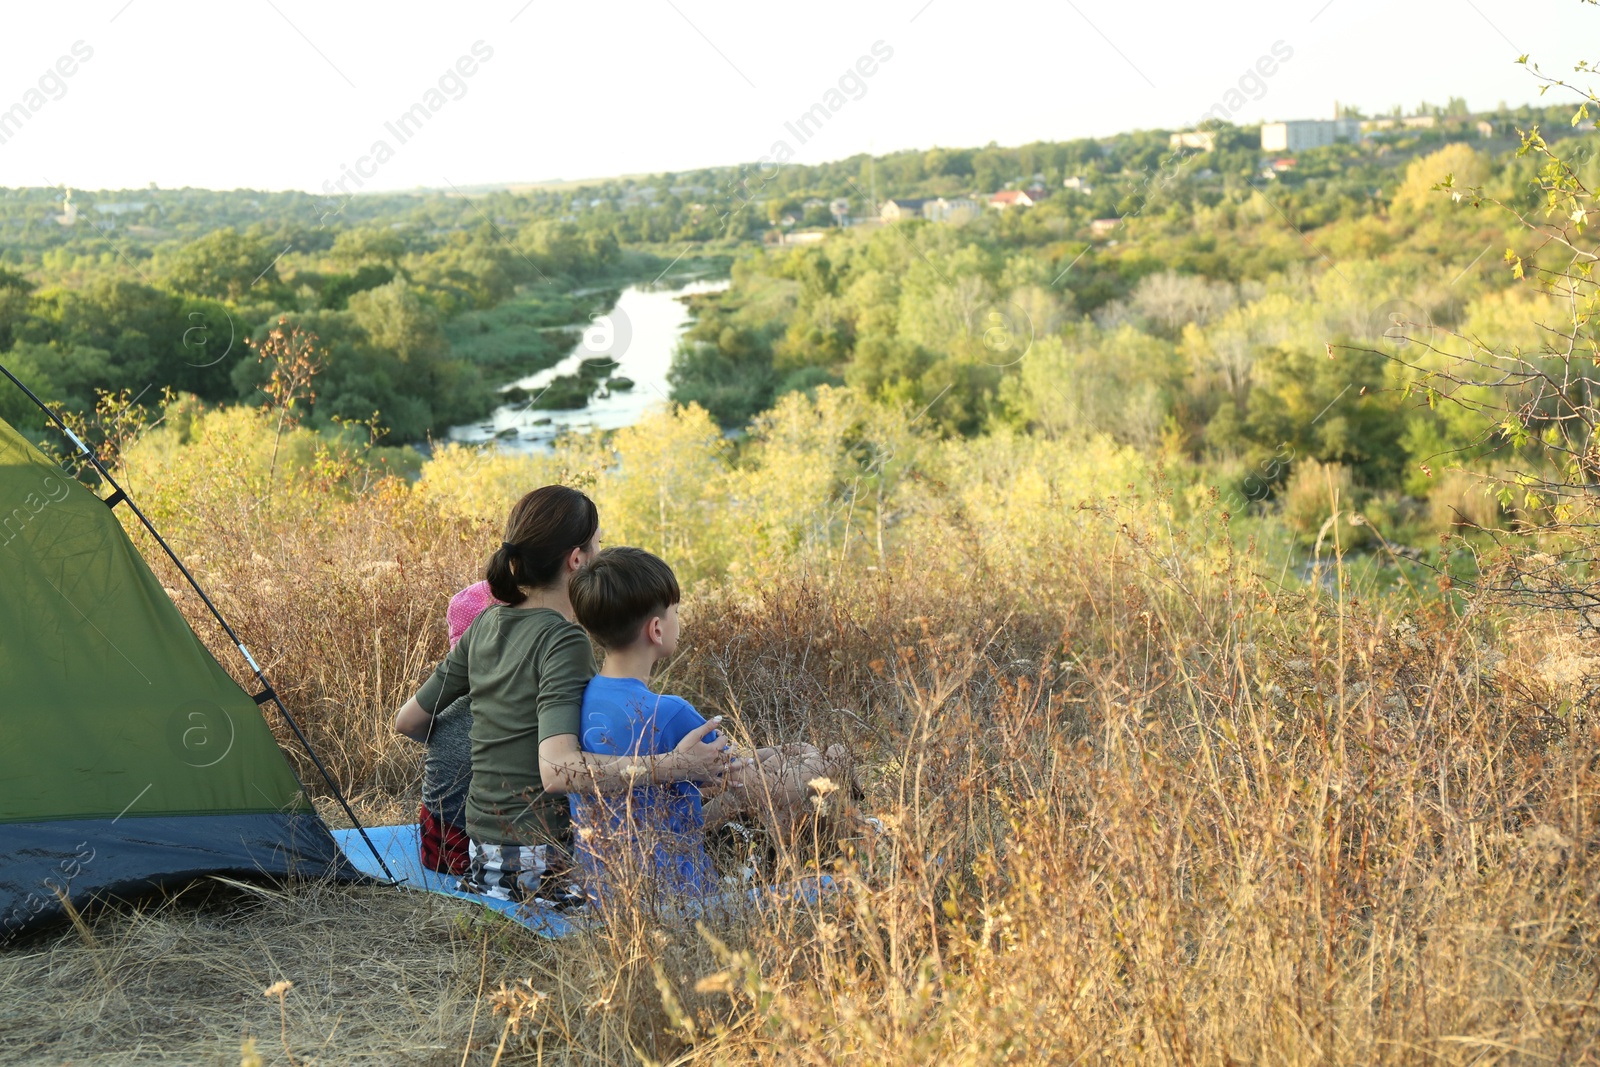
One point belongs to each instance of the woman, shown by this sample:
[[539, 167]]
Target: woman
[[525, 664]]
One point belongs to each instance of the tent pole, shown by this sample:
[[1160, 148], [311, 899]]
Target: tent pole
[[118, 496]]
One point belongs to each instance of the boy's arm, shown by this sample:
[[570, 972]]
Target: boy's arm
[[782, 774]]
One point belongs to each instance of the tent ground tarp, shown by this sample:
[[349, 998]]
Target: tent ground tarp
[[132, 857]]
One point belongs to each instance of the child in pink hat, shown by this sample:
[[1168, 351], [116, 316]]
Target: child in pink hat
[[447, 767]]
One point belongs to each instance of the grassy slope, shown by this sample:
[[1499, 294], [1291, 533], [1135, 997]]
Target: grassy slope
[[1179, 815]]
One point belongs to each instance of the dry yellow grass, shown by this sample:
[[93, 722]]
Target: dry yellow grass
[[1137, 808]]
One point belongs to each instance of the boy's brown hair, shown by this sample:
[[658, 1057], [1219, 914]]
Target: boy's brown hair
[[615, 593]]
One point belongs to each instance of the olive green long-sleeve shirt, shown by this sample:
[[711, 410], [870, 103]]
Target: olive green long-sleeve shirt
[[525, 669]]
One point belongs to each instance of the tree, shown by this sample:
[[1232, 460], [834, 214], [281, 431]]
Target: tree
[[15, 292], [1539, 407], [1334, 411], [224, 264], [337, 289], [729, 372], [395, 319], [31, 365], [355, 379], [368, 245], [1417, 192]]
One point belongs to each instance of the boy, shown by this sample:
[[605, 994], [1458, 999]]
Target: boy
[[628, 601]]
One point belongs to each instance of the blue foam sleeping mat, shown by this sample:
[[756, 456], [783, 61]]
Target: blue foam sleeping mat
[[401, 849], [400, 846]]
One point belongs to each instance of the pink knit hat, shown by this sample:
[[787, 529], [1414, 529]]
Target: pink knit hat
[[466, 606]]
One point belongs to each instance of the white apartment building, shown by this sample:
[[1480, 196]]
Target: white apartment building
[[950, 210], [1300, 134], [1204, 140]]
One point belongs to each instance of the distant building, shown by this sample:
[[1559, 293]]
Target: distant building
[[1202, 140], [116, 208], [799, 237], [1301, 134], [1100, 229], [1077, 185], [1409, 122], [899, 210], [1485, 128], [1281, 165], [950, 210], [840, 210], [69, 212], [1012, 198]]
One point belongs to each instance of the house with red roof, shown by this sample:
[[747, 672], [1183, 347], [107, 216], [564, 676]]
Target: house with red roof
[[1012, 198]]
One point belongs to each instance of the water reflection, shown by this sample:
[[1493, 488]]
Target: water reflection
[[631, 346]]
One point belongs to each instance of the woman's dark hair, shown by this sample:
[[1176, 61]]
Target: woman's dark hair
[[544, 526], [616, 592]]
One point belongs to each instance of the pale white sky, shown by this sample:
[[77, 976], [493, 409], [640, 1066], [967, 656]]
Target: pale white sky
[[277, 94]]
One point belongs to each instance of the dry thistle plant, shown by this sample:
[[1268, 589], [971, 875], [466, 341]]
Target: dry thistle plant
[[280, 989]]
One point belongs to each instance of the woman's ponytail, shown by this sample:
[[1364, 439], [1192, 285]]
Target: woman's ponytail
[[501, 573], [543, 527]]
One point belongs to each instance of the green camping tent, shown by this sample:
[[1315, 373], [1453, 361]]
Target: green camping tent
[[129, 759]]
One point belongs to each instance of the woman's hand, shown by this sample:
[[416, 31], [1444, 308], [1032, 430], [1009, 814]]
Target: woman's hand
[[697, 760]]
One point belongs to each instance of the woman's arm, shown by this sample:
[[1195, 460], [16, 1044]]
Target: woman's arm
[[565, 768], [413, 721], [447, 683]]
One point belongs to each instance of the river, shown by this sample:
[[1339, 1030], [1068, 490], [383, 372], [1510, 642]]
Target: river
[[639, 334]]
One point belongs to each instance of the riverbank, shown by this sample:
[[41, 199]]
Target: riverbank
[[533, 329], [614, 368]]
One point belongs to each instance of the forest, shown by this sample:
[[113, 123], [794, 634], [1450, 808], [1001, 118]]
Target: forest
[[1179, 302]]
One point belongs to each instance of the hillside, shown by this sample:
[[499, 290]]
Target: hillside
[[143, 290]]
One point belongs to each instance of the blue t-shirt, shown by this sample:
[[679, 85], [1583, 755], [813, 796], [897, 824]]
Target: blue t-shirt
[[623, 717]]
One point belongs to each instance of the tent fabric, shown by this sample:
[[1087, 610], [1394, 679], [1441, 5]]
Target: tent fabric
[[123, 736]]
